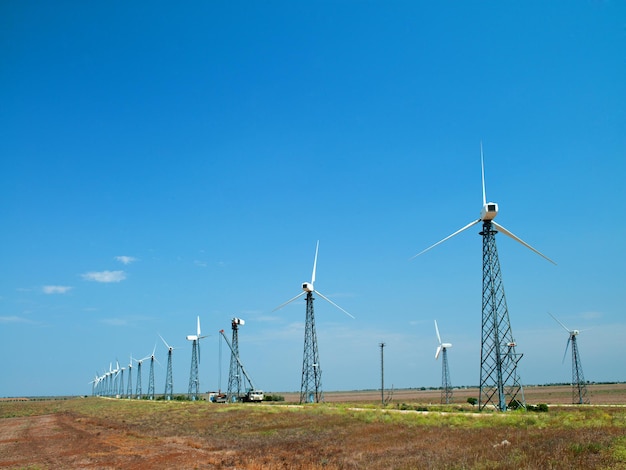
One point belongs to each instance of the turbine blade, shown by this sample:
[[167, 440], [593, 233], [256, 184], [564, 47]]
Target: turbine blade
[[482, 168], [447, 238], [333, 303], [289, 301], [315, 262], [566, 346], [555, 319], [517, 239], [437, 353], [198, 330], [438, 337], [164, 342]]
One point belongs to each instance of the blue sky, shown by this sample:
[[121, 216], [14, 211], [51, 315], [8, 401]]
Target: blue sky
[[161, 162]]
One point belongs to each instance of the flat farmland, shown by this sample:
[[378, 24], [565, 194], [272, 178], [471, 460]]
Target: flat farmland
[[349, 431], [599, 394]]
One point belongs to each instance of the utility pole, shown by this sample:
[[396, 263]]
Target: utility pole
[[382, 373]]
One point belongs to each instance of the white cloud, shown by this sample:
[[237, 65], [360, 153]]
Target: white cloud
[[126, 259], [105, 276], [114, 322], [56, 289], [14, 319]]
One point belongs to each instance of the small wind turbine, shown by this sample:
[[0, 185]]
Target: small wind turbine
[[499, 382], [579, 386], [194, 378], [311, 387], [169, 383], [446, 386]]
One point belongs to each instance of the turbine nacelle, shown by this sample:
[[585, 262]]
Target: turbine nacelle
[[489, 211], [192, 337], [575, 332], [308, 287]]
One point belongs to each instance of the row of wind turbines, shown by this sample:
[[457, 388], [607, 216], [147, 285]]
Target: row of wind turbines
[[500, 385], [111, 383]]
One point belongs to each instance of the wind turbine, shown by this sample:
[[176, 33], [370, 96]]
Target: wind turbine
[[311, 386], [579, 386], [169, 382], [194, 378], [151, 376], [499, 382], [446, 386]]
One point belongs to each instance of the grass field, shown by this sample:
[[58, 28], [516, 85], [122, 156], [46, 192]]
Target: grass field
[[355, 433]]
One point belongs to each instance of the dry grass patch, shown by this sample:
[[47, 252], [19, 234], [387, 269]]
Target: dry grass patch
[[138, 434]]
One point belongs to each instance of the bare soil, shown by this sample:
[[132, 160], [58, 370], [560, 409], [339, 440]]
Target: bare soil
[[98, 433]]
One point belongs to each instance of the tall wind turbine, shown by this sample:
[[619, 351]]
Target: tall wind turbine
[[311, 386], [194, 378], [169, 382], [446, 385], [579, 386], [500, 385]]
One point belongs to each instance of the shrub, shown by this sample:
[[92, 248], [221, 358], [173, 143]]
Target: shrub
[[268, 397]]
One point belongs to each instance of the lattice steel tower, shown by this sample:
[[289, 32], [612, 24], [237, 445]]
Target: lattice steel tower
[[499, 382], [151, 377], [169, 381], [138, 391], [120, 391], [579, 386], [446, 385], [234, 376], [311, 385], [129, 389], [194, 381]]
